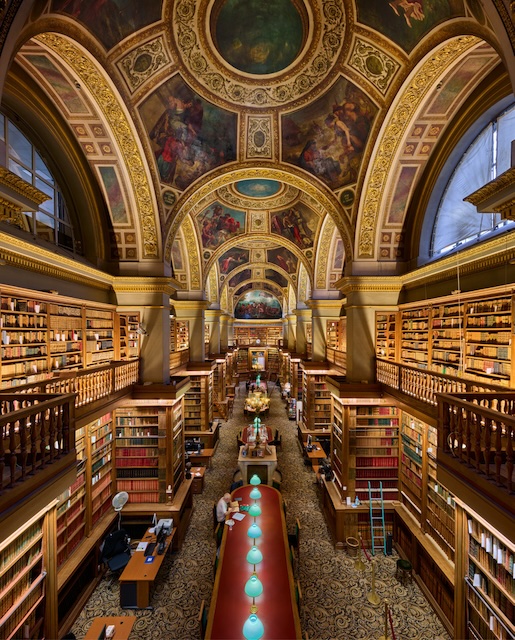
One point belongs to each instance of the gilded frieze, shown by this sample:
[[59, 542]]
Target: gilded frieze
[[323, 254], [259, 138], [190, 239]]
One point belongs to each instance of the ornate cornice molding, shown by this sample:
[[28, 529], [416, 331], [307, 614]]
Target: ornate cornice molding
[[106, 99], [151, 284], [497, 196], [401, 118], [21, 187], [368, 284]]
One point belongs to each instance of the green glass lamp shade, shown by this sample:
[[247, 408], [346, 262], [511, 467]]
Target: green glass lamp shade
[[253, 586], [254, 556], [254, 531], [253, 628], [255, 480], [254, 510], [255, 494]]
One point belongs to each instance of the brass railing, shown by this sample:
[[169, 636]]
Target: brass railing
[[35, 432], [478, 429]]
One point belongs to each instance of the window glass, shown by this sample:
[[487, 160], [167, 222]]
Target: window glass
[[42, 170], [19, 147], [45, 227], [20, 171]]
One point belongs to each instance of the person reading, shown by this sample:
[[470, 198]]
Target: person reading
[[223, 508]]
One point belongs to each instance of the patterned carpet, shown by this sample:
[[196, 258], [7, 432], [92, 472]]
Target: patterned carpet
[[334, 592]]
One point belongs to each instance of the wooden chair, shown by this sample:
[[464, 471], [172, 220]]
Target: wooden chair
[[215, 519], [294, 537], [215, 562], [298, 598], [219, 531], [293, 561], [202, 619]]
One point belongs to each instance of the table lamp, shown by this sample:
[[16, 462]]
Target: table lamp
[[254, 556], [255, 494], [253, 588], [254, 510], [254, 531], [253, 628]]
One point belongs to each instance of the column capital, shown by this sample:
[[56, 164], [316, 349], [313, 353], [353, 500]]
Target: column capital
[[184, 308], [326, 308], [303, 315], [371, 289]]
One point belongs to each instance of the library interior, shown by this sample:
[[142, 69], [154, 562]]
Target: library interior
[[293, 232]]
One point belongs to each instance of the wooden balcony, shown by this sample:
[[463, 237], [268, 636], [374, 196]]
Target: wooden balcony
[[37, 444]]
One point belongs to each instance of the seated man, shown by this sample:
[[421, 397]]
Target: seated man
[[222, 508]]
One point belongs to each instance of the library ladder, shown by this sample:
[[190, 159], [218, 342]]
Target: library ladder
[[377, 525]]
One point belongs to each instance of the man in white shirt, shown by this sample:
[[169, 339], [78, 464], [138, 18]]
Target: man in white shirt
[[223, 507]]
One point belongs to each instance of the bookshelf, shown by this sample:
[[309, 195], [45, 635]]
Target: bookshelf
[[249, 336], [71, 507], [101, 466], [182, 336], [242, 362], [447, 338], [333, 334], [374, 448], [490, 582], [129, 344], [140, 453], [198, 400], [273, 361], [414, 336], [316, 399], [386, 335], [24, 352], [412, 477], [339, 442], [22, 583], [177, 452], [66, 336], [99, 336], [488, 352]]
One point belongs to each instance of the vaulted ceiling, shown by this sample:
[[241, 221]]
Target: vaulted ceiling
[[253, 144]]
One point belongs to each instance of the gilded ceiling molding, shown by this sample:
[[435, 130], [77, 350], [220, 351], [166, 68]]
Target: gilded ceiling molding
[[259, 138], [369, 284], [21, 187], [292, 300], [235, 200], [143, 62], [373, 64], [101, 91], [213, 286], [322, 253], [311, 72], [224, 302], [137, 284], [193, 201], [303, 285], [190, 238], [420, 83]]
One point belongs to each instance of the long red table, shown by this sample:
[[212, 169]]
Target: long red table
[[230, 606]]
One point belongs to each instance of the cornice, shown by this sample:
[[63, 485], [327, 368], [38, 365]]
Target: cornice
[[21, 187], [147, 285], [369, 284], [493, 190]]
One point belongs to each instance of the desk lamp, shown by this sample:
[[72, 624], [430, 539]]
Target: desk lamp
[[253, 628], [254, 556], [253, 588]]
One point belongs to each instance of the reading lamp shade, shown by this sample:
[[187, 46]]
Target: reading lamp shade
[[255, 480], [253, 586], [254, 510], [253, 628], [254, 531], [255, 494], [254, 556]]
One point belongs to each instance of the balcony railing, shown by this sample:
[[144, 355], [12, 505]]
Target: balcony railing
[[478, 430], [35, 432], [424, 384]]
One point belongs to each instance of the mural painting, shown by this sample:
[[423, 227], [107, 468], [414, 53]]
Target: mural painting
[[328, 137], [68, 94], [406, 22], [339, 254], [243, 288], [275, 276], [177, 263], [298, 224], [218, 224], [261, 188], [258, 37], [240, 277], [283, 258], [190, 135], [258, 305], [233, 258], [114, 195], [111, 20]]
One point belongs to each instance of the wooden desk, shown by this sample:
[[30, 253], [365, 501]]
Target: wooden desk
[[123, 626], [277, 608], [315, 455], [197, 479], [267, 464], [139, 575], [203, 459]]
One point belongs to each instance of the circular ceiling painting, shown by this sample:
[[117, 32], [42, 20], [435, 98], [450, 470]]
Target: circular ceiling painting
[[258, 36], [258, 188]]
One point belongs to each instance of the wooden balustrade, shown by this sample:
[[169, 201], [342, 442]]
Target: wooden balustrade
[[35, 432], [479, 430]]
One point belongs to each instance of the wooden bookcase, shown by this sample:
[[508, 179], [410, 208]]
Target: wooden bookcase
[[447, 338], [101, 465], [179, 335], [198, 400], [22, 583], [490, 583], [129, 343], [71, 508], [412, 474], [273, 361], [242, 362], [99, 336], [374, 448], [66, 333], [249, 336], [316, 397], [386, 334], [414, 336]]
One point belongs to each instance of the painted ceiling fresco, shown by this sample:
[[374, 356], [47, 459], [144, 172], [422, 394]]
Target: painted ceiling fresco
[[225, 135]]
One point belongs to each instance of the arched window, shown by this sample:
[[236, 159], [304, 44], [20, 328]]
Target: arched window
[[51, 221], [457, 222]]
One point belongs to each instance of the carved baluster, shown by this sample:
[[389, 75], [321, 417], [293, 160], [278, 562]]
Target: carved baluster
[[486, 448], [498, 452], [471, 417], [12, 450], [52, 432], [33, 444], [23, 447], [459, 431], [477, 446], [42, 438], [510, 432]]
